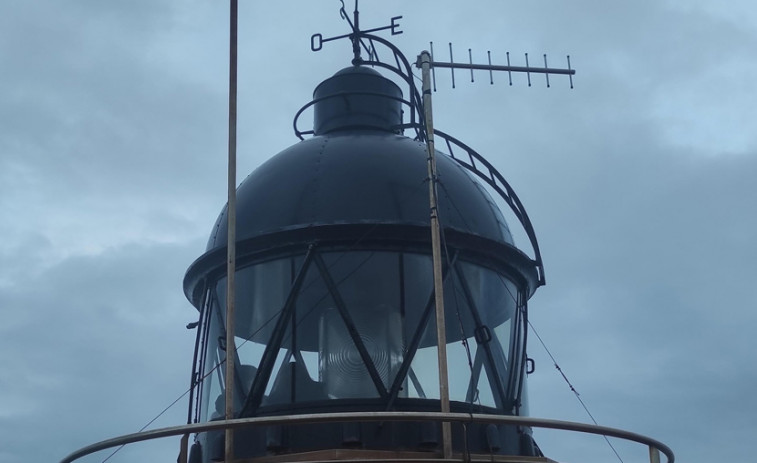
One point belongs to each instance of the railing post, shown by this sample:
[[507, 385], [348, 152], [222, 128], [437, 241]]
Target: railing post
[[654, 455], [183, 448]]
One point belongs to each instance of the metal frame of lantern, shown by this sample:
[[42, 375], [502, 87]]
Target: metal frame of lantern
[[310, 243], [504, 260]]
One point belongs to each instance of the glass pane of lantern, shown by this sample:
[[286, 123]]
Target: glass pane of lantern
[[486, 390], [249, 354], [461, 372], [425, 367], [483, 290], [495, 298], [291, 382], [343, 371], [213, 374], [460, 326], [494, 295], [516, 354], [261, 291], [310, 361], [524, 408], [278, 389], [295, 376], [312, 300], [368, 284], [417, 286], [214, 371]]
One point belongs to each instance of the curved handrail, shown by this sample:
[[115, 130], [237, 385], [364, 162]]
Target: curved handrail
[[497, 181], [372, 416]]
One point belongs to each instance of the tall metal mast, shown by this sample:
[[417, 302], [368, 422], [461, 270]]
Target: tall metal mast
[[232, 226], [441, 330], [427, 64]]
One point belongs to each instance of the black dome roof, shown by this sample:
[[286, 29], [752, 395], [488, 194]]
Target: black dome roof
[[357, 170], [358, 177]]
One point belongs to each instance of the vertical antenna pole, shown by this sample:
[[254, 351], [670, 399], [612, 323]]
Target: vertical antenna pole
[[441, 333], [232, 229]]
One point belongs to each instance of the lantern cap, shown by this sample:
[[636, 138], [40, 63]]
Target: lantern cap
[[357, 97]]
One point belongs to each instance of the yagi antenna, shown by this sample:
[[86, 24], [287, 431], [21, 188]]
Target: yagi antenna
[[452, 65]]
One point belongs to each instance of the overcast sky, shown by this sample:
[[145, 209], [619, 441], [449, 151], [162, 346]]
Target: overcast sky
[[640, 182]]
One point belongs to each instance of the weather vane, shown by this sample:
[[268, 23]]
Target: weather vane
[[317, 40]]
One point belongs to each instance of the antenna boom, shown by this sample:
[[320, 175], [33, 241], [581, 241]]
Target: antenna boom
[[494, 67]]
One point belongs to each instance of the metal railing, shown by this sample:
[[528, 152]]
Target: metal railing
[[655, 447]]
